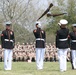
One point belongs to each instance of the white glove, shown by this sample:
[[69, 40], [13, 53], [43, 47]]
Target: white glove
[[57, 49]]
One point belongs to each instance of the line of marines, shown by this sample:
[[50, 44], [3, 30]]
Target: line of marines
[[64, 41]]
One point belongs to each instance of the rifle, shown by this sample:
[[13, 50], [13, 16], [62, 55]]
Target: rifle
[[54, 15], [47, 10]]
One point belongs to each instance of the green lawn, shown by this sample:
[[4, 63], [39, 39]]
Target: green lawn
[[24, 68]]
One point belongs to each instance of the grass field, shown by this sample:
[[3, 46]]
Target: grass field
[[24, 68]]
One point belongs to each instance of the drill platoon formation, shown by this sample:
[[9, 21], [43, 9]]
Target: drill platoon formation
[[64, 41]]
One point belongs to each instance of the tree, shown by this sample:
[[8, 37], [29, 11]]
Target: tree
[[71, 11], [63, 6]]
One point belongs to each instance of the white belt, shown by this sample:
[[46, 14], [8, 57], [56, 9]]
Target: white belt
[[8, 40], [63, 39], [73, 40], [40, 39]]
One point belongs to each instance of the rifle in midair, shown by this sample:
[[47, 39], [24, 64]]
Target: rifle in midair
[[54, 15], [45, 12]]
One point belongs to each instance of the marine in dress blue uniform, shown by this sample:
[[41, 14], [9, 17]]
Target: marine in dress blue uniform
[[40, 45], [62, 44], [72, 37], [7, 42]]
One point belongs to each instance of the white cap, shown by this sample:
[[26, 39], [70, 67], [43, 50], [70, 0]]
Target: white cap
[[63, 22], [38, 23], [74, 25], [8, 22]]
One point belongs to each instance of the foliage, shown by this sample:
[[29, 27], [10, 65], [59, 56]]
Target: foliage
[[24, 13], [22, 35], [68, 8]]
